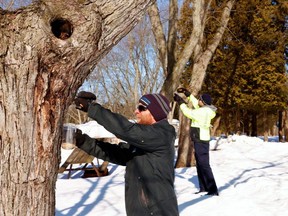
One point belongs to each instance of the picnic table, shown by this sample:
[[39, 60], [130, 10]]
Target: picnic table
[[79, 157]]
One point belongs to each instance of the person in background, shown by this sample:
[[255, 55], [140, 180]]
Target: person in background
[[201, 115], [148, 152]]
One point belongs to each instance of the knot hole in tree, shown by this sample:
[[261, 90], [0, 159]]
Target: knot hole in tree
[[62, 28]]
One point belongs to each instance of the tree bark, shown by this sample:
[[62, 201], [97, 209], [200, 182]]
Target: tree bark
[[174, 66], [187, 159], [265, 121], [215, 126], [46, 51], [280, 125], [166, 46], [201, 57], [159, 35], [285, 125], [254, 124]]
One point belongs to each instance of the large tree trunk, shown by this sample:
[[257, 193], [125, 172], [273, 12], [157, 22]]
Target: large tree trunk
[[186, 150], [201, 56], [47, 50], [285, 125], [215, 126], [254, 124], [174, 66], [166, 46], [281, 125], [266, 129]]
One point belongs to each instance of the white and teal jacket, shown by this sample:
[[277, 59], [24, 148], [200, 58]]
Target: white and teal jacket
[[201, 118]]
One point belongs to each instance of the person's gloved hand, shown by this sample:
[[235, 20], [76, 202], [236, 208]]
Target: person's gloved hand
[[83, 100], [82, 104], [184, 91], [178, 99], [79, 138]]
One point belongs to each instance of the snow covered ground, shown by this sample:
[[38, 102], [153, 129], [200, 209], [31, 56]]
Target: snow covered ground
[[252, 177]]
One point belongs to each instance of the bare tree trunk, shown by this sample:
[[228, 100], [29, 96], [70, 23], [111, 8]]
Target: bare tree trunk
[[285, 125], [46, 51], [174, 67], [280, 125], [158, 32], [238, 121], [215, 126], [265, 121], [254, 123], [166, 47], [201, 57], [186, 150]]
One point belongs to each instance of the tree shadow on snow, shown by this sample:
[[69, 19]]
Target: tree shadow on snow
[[82, 203], [242, 178]]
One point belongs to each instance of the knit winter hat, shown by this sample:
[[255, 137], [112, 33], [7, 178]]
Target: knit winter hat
[[206, 99], [157, 104]]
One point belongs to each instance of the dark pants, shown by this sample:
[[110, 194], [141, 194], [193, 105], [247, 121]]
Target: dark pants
[[204, 171]]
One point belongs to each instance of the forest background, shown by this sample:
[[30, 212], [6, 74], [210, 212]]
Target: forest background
[[247, 76], [244, 69]]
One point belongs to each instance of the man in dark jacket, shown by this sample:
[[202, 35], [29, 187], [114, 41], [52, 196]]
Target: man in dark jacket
[[148, 153]]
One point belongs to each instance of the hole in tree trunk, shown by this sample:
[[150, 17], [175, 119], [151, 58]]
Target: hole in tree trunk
[[61, 28]]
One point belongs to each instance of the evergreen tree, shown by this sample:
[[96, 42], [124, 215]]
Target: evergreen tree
[[247, 75]]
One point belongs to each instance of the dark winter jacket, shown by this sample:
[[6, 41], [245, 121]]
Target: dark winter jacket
[[149, 159]]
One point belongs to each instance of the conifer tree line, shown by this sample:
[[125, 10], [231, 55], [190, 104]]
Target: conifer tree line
[[247, 76]]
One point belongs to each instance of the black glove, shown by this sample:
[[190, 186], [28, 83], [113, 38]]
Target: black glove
[[83, 100], [184, 91], [178, 99], [79, 138]]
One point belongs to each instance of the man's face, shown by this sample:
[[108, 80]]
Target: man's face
[[143, 115]]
